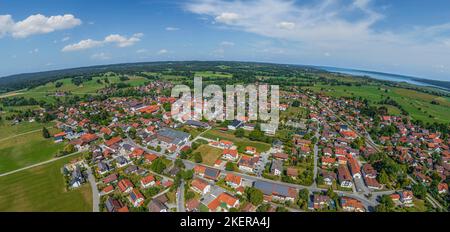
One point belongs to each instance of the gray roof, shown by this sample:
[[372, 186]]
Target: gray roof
[[156, 206], [121, 160], [209, 172], [174, 135], [236, 123], [196, 123], [277, 164], [274, 189]]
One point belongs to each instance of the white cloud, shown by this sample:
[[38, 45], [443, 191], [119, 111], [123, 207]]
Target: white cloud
[[227, 17], [65, 39], [348, 29], [162, 52], [226, 44], [286, 25], [142, 51], [220, 51], [100, 56], [36, 24], [172, 28], [82, 45], [36, 50], [122, 41], [118, 40]]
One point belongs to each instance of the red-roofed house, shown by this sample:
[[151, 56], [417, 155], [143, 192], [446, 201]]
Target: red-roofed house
[[108, 189], [113, 141], [223, 203], [230, 154], [148, 181], [233, 180], [200, 186], [125, 186], [149, 109], [442, 188], [137, 153]]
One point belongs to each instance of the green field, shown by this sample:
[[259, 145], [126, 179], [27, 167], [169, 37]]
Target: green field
[[42, 189], [25, 150], [240, 142], [8, 130], [212, 74], [209, 154], [47, 91], [417, 104], [295, 113]]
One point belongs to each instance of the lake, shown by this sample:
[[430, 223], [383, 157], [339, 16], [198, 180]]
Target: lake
[[377, 75]]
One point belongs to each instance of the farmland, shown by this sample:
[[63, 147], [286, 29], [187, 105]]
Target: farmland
[[42, 189], [21, 151], [418, 105], [47, 92], [8, 130]]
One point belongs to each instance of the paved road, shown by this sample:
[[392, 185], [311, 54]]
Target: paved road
[[190, 165], [39, 164], [316, 157], [95, 193], [375, 146], [180, 198]]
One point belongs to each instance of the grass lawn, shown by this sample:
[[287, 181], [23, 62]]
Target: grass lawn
[[8, 130], [191, 130], [209, 154], [43, 189], [295, 113], [203, 208], [240, 142], [25, 150], [419, 206]]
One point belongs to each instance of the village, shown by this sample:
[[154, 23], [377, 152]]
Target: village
[[139, 159]]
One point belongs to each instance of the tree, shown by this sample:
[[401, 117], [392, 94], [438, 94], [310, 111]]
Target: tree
[[387, 201], [45, 133], [179, 163], [132, 133], [254, 195], [281, 209], [239, 133], [189, 195], [188, 174], [158, 166], [198, 157], [263, 208], [296, 103], [419, 191], [229, 166], [331, 193], [303, 195], [69, 149], [383, 178]]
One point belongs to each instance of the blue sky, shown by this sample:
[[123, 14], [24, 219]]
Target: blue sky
[[404, 37]]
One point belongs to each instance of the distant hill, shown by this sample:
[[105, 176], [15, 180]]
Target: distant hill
[[29, 80]]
